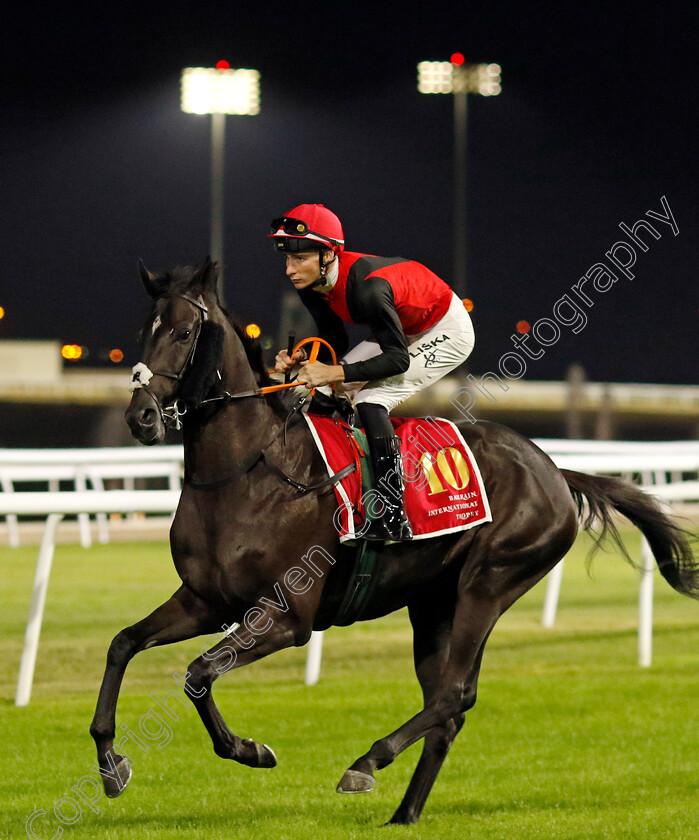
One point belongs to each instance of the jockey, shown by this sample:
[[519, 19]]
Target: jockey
[[420, 331]]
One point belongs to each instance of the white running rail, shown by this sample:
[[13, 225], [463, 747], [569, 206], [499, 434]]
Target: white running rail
[[668, 470]]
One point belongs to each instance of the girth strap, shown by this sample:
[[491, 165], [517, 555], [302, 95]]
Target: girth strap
[[361, 584]]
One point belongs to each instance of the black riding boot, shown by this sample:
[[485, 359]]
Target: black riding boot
[[384, 449]]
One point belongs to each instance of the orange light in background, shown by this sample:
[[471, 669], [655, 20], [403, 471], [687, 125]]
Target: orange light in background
[[2, 313], [116, 356], [468, 304], [253, 330], [457, 58], [71, 352], [523, 326]]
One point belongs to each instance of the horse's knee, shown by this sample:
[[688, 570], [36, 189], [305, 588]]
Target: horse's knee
[[468, 699], [122, 648], [200, 677]]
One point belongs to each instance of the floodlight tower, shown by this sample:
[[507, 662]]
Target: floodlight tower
[[219, 91], [459, 79]]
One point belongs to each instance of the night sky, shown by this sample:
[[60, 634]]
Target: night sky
[[597, 121]]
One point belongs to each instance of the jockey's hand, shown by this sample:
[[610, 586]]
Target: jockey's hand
[[283, 362], [315, 374]]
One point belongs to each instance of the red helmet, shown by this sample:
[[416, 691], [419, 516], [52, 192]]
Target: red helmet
[[306, 227]]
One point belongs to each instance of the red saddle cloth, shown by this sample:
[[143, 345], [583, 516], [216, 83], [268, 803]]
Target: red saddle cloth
[[444, 490]]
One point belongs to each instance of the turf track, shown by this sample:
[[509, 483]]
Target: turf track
[[569, 738]]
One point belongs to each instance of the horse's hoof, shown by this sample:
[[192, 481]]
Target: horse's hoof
[[354, 781], [114, 787], [402, 819], [264, 755]]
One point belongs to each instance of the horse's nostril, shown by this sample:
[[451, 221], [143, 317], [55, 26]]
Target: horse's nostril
[[148, 417]]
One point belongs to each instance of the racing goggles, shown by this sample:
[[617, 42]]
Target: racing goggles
[[285, 226], [291, 227]]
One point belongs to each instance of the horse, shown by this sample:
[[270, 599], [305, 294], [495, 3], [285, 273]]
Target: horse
[[256, 501]]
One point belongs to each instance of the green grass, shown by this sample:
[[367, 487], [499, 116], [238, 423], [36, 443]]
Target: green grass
[[569, 738]]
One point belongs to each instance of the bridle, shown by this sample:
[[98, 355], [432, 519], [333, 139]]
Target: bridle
[[141, 374], [170, 415]]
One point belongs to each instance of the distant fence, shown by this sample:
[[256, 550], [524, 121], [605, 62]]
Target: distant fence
[[83, 469], [668, 470]]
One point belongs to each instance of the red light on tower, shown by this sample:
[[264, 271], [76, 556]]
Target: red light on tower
[[457, 59], [223, 65]]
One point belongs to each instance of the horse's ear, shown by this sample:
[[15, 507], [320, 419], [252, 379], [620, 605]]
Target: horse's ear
[[154, 285], [205, 280]]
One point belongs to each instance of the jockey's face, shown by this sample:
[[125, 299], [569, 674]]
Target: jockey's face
[[303, 267]]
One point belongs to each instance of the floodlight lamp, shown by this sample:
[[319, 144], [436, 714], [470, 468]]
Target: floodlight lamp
[[207, 90], [435, 76], [487, 81]]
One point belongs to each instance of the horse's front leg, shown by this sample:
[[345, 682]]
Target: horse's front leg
[[181, 617], [257, 638]]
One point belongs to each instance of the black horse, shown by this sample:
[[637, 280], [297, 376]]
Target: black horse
[[255, 510]]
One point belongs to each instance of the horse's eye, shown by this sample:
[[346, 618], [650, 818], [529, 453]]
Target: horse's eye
[[183, 335]]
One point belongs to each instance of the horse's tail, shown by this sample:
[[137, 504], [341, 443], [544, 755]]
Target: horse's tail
[[669, 543]]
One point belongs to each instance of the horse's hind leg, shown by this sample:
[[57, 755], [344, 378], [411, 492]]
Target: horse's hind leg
[[432, 623], [474, 618], [431, 643], [181, 617]]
